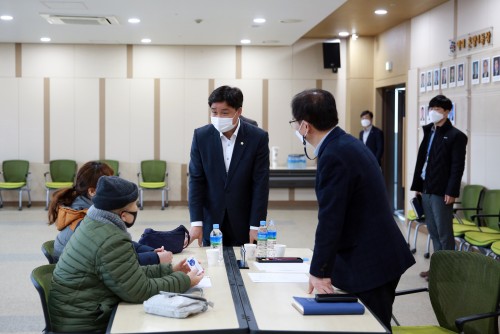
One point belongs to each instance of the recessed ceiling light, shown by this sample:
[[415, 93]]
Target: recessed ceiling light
[[343, 34], [45, 39], [134, 20], [146, 40], [259, 20], [6, 18], [245, 41], [380, 12]]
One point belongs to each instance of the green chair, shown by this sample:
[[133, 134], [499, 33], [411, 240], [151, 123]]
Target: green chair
[[464, 291], [489, 232], [15, 175], [48, 251], [114, 164], [41, 277], [470, 205], [153, 176], [495, 250], [62, 175]]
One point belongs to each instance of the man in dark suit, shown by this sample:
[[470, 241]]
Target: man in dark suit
[[228, 173], [372, 136], [358, 245]]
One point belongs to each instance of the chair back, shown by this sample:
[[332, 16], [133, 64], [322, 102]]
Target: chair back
[[48, 251], [63, 170], [153, 170], [491, 206], [114, 164], [41, 277], [471, 198], [15, 170], [463, 284]]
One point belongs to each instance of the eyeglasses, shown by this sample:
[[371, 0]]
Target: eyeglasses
[[292, 123]]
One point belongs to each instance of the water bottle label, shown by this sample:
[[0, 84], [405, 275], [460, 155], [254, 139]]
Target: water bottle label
[[215, 240], [261, 236], [271, 234]]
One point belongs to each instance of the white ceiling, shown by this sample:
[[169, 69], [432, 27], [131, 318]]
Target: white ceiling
[[166, 22]]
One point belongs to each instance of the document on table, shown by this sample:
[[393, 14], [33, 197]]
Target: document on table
[[205, 282], [283, 267], [278, 277]]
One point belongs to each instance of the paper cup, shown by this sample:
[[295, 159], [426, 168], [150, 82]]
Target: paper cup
[[250, 250], [212, 256], [279, 250]]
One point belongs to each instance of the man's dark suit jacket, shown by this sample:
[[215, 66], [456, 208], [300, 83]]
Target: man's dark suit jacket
[[243, 192], [358, 244], [375, 142]]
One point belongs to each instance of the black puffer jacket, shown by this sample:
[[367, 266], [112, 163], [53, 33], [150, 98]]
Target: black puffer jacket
[[446, 161]]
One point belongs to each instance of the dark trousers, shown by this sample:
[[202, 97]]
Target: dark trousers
[[380, 300], [228, 237]]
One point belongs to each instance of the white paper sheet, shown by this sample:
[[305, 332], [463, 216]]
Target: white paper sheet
[[205, 282], [278, 278], [283, 267]]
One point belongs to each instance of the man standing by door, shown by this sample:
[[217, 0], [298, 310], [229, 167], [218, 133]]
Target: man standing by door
[[438, 173], [372, 136]]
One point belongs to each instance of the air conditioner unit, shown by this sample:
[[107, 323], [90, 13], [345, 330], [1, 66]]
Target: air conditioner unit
[[84, 20]]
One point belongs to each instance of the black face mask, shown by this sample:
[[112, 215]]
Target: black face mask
[[133, 213]]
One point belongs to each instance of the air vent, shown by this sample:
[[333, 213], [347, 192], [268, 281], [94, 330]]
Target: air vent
[[83, 20]]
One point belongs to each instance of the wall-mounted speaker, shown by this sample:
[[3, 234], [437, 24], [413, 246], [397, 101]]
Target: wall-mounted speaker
[[331, 56]]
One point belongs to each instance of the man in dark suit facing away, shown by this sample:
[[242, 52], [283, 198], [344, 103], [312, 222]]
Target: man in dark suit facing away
[[358, 246], [372, 136], [228, 173]]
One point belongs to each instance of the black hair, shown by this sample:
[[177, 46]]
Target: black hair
[[315, 106], [367, 112], [441, 101], [231, 95]]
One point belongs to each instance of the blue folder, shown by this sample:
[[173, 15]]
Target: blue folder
[[309, 306]]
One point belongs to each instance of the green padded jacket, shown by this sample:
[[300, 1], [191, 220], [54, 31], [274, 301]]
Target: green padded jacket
[[97, 270]]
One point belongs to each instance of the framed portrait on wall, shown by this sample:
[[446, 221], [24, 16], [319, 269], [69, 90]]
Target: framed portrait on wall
[[428, 88], [474, 68], [444, 78], [422, 82], [452, 78], [485, 70], [460, 74], [422, 115], [495, 68], [453, 114], [436, 79]]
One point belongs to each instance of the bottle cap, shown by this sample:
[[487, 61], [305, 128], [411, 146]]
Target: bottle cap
[[216, 225], [262, 223]]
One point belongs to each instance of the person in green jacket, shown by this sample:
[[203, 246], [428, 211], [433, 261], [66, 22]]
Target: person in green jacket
[[100, 267]]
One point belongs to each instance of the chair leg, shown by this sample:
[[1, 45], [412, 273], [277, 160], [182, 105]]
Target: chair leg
[[47, 200], [417, 227], [166, 197], [141, 205], [20, 199], [1, 200], [163, 199], [428, 254], [409, 231]]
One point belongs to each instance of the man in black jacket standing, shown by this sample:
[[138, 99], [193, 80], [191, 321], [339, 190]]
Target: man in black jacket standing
[[372, 136], [438, 173]]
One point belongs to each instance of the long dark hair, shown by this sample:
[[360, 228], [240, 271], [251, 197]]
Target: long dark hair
[[86, 178]]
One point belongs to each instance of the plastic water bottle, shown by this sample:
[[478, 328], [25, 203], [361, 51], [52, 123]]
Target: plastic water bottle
[[271, 239], [216, 240], [262, 240]]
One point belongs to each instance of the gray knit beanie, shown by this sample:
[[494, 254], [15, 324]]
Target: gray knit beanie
[[113, 193]]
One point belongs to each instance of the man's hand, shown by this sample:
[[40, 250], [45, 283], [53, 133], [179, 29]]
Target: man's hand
[[196, 233], [163, 255], [322, 285], [449, 200], [182, 266], [194, 277], [252, 235]]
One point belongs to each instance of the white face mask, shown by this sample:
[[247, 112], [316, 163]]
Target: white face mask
[[435, 116], [223, 124], [365, 122]]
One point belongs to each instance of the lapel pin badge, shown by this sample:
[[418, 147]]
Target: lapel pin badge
[[241, 143]]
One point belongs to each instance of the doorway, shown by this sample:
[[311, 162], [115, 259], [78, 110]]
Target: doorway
[[393, 111]]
